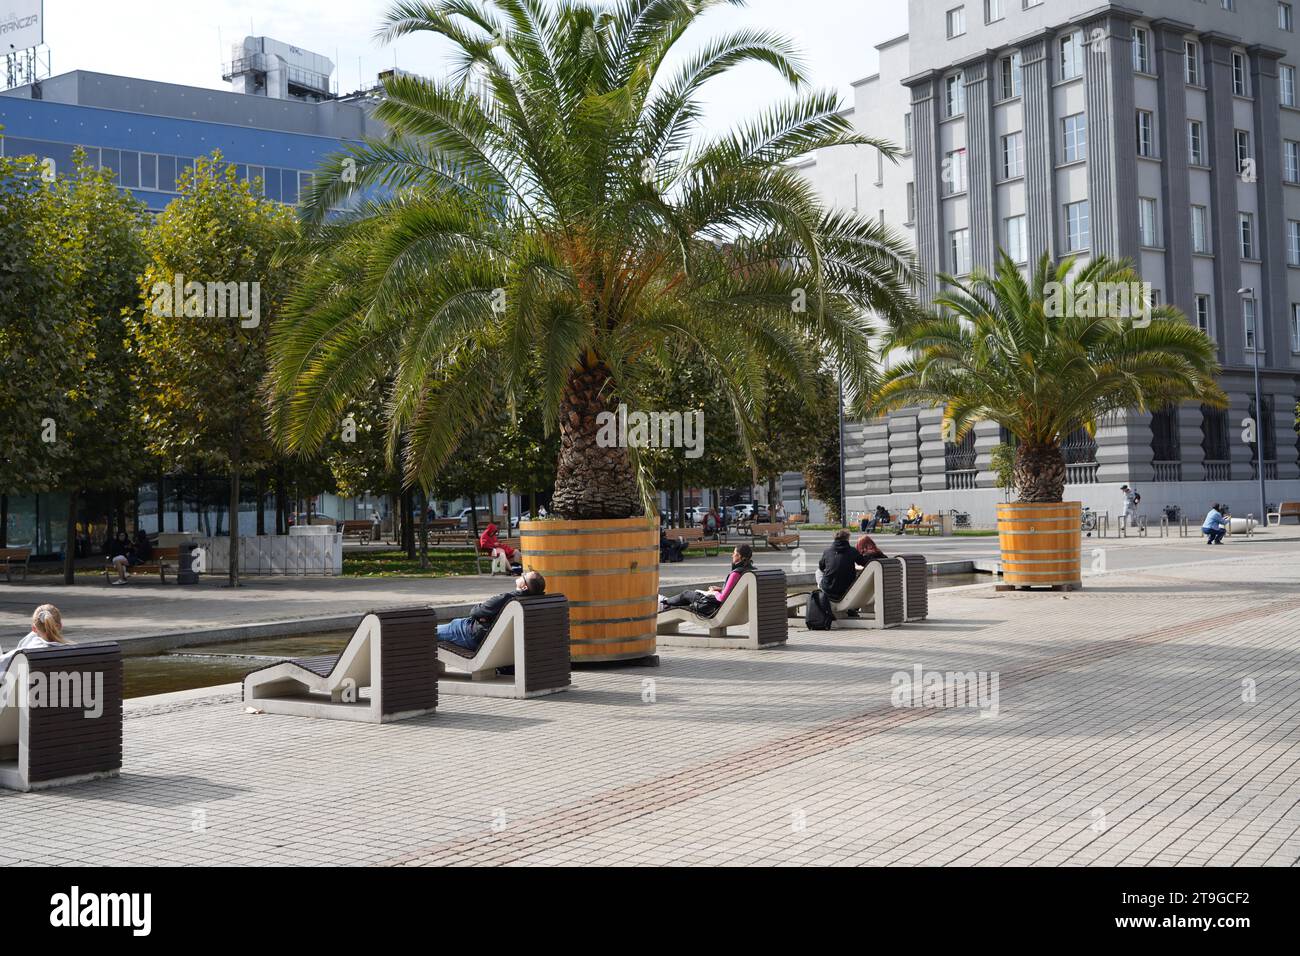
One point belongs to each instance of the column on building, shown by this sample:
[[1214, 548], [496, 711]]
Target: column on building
[[925, 152], [1280, 394], [930, 438], [987, 436], [1242, 397], [980, 158], [1040, 148], [1112, 159], [875, 444], [855, 462], [1190, 437], [1272, 299], [1216, 52], [904, 453], [1169, 39], [1124, 452]]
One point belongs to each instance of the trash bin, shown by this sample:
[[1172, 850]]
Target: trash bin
[[185, 573], [945, 523]]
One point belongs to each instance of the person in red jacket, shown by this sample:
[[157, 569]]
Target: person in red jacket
[[489, 542]]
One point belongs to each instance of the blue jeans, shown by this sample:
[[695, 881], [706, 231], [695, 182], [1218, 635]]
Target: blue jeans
[[459, 631], [1215, 535]]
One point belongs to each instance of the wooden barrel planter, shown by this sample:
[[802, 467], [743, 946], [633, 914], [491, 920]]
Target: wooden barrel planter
[[1040, 544], [609, 570]]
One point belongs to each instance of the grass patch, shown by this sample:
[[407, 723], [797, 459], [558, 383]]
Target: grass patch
[[381, 564]]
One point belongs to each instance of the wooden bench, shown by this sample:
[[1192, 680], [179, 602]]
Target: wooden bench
[[798, 519], [1287, 509], [531, 635], [11, 558], [73, 736], [163, 558], [393, 654], [691, 537], [756, 604], [774, 535], [362, 530], [929, 524]]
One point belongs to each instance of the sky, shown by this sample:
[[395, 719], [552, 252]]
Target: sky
[[188, 43]]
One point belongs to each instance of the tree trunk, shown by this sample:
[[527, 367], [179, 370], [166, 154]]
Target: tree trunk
[[4, 521], [408, 528], [473, 517], [1040, 472], [532, 505], [424, 531], [281, 501], [234, 518], [592, 481], [261, 503], [180, 507], [70, 541]]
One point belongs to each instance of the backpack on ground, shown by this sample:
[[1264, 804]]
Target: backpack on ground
[[818, 615]]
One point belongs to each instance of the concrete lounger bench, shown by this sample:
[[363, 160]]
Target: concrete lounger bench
[[393, 653], [73, 730], [531, 635], [877, 590], [916, 587], [756, 603]]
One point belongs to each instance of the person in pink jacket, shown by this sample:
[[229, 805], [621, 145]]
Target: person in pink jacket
[[741, 561]]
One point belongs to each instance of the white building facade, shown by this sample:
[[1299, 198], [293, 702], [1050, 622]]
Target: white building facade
[[1169, 136]]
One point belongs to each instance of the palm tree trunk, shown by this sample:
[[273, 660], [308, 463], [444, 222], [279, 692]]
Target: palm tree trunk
[[1040, 472], [592, 481]]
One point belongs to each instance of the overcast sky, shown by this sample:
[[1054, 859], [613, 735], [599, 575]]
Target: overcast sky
[[188, 42]]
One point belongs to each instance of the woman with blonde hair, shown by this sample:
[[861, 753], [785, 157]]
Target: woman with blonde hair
[[47, 631]]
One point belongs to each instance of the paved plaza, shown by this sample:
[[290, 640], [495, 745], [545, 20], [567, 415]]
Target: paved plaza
[[1153, 718]]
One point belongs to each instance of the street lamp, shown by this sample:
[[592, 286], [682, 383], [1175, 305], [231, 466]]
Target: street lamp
[[844, 498], [1246, 294]]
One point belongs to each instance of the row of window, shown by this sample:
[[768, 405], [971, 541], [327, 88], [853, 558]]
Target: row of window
[[1070, 66], [156, 172], [995, 10]]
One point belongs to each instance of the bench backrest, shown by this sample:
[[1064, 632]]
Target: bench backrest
[[408, 661], [1289, 508], [63, 740], [773, 528], [685, 534], [773, 622], [358, 524], [15, 554], [546, 641]]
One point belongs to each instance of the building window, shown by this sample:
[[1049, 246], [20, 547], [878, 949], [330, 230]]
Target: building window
[[1146, 133], [954, 172], [1015, 237], [1248, 322], [911, 202], [1291, 161], [959, 245], [907, 132], [1013, 155], [1228, 4], [1009, 70], [1032, 3], [1293, 242], [956, 22], [1074, 137], [1285, 17], [1070, 48], [1239, 87], [1286, 85], [1246, 221], [1147, 219], [955, 93], [1078, 229], [1202, 310], [1242, 138], [1196, 142], [1141, 50], [1200, 230], [1295, 326], [994, 10], [1192, 62]]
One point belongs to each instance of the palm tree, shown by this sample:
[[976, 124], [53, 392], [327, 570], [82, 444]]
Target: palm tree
[[551, 213], [997, 348]]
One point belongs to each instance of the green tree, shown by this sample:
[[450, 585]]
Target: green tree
[[554, 206], [200, 361], [1003, 349]]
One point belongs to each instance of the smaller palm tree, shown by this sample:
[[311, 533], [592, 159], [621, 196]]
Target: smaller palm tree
[[1032, 356]]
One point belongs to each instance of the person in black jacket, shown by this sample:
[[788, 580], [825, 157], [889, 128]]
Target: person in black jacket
[[469, 632], [839, 567]]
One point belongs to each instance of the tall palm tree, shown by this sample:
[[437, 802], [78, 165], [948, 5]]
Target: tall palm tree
[[554, 205], [1001, 348]]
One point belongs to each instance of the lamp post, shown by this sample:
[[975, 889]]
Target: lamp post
[[844, 499], [1248, 294]]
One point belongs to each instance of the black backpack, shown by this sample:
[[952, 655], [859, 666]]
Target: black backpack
[[818, 615]]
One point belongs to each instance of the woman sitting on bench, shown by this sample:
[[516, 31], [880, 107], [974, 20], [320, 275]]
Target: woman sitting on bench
[[488, 541], [47, 631], [139, 552], [742, 560], [868, 551]]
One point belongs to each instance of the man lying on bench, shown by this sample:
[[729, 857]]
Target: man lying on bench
[[469, 632]]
